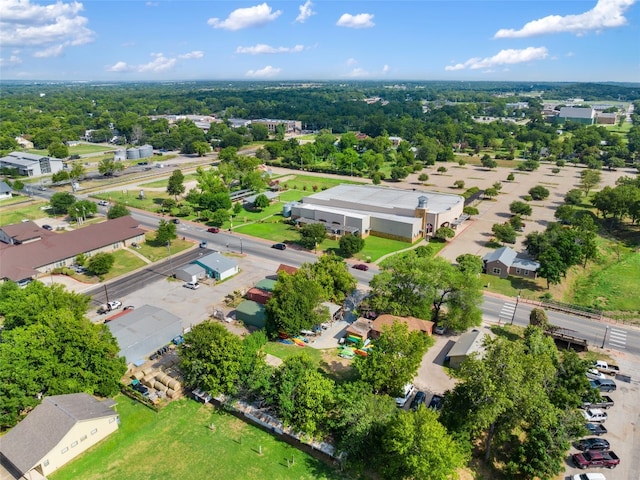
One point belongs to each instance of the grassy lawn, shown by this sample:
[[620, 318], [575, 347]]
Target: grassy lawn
[[273, 231], [306, 183], [154, 252], [17, 213], [514, 286], [163, 183], [125, 262], [376, 247], [284, 351], [178, 443]]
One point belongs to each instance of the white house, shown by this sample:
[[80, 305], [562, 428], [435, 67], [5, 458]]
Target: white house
[[218, 266]]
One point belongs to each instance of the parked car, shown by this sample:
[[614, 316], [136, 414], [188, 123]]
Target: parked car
[[605, 385], [361, 266], [129, 307], [596, 429], [439, 329], [175, 220], [47, 227], [114, 305], [436, 403], [594, 374], [203, 244], [213, 230], [418, 400], [192, 285], [588, 476], [605, 367], [103, 203], [604, 401], [279, 246], [592, 443], [594, 415], [590, 459], [407, 392]]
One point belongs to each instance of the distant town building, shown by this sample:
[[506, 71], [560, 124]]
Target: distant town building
[[291, 126], [31, 165], [583, 115]]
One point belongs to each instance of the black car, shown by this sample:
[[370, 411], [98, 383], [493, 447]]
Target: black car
[[436, 402], [47, 227], [175, 220], [593, 443], [279, 246], [596, 429], [418, 400]]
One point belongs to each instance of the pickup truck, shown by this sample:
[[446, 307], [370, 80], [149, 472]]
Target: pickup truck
[[605, 401], [591, 458], [594, 415], [605, 367]]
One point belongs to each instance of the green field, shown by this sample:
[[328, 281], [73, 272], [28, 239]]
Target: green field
[[188, 440], [16, 213], [82, 149]]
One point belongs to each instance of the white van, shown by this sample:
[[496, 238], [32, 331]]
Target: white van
[[407, 391]]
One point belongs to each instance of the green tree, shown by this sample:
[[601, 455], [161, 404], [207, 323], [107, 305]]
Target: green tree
[[423, 177], [166, 232], [331, 273], [261, 202], [82, 209], [259, 132], [49, 347], [294, 305], [538, 318], [471, 211], [555, 170], [470, 263], [61, 201], [444, 233], [219, 217], [312, 234], [60, 176], [442, 170], [201, 148], [77, 171], [351, 244], [58, 150], [100, 263], [491, 192], [573, 197], [416, 445], [175, 185], [488, 162], [511, 177], [552, 268], [538, 192], [117, 211], [399, 173], [589, 179], [458, 184], [109, 166], [504, 232], [520, 208], [395, 359], [565, 213], [210, 358]]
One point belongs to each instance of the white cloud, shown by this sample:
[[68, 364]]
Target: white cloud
[[305, 12], [385, 69], [503, 57], [160, 63], [191, 55], [262, 48], [351, 62], [358, 72], [265, 72], [361, 20], [11, 61], [569, 54], [152, 4], [246, 17], [119, 67], [47, 30], [606, 14]]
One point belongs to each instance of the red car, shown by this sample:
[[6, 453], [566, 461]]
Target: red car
[[361, 266], [213, 230]]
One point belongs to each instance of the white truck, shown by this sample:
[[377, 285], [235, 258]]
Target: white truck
[[594, 415], [605, 367]]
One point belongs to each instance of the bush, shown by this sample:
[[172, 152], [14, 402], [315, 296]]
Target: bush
[[538, 192]]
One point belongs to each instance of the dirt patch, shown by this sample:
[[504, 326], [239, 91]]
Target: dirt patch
[[340, 368]]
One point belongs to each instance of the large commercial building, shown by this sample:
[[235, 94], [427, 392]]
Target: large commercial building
[[406, 215], [31, 165]]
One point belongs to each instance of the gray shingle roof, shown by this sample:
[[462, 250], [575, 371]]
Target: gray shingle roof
[[32, 439], [4, 188], [504, 255], [216, 262], [467, 344]]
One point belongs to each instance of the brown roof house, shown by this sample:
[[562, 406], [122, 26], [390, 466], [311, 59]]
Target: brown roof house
[[27, 250], [414, 324], [56, 431], [505, 261]]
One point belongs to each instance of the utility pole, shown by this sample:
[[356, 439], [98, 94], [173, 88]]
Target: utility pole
[[516, 307], [170, 261], [606, 330]]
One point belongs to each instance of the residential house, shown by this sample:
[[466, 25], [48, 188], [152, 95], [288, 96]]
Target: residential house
[[505, 261], [414, 324], [55, 432], [218, 266], [468, 344]]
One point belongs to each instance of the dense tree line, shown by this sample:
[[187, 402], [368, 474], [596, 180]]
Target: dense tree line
[[49, 347]]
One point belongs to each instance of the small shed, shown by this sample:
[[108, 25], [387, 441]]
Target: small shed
[[218, 266], [287, 269], [335, 311], [266, 284], [258, 295], [468, 343], [251, 313], [191, 273], [5, 191], [360, 329]]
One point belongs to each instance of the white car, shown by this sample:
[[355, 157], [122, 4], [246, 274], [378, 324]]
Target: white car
[[588, 476], [192, 285], [103, 203], [407, 391], [114, 305], [595, 374], [594, 415]]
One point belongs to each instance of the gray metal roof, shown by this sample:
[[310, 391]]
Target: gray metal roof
[[32, 439], [467, 344], [576, 112], [504, 255], [525, 264], [386, 198], [268, 194], [216, 262], [143, 331], [192, 269], [4, 188]]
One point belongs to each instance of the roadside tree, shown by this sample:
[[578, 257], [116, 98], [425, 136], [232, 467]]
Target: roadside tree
[[444, 233], [469, 263], [490, 192], [109, 166], [77, 171], [312, 234], [82, 209], [166, 232], [61, 201], [100, 263], [331, 273], [117, 211], [175, 184], [351, 244]]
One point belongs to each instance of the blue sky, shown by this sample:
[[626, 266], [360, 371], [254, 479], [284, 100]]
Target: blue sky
[[511, 40]]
